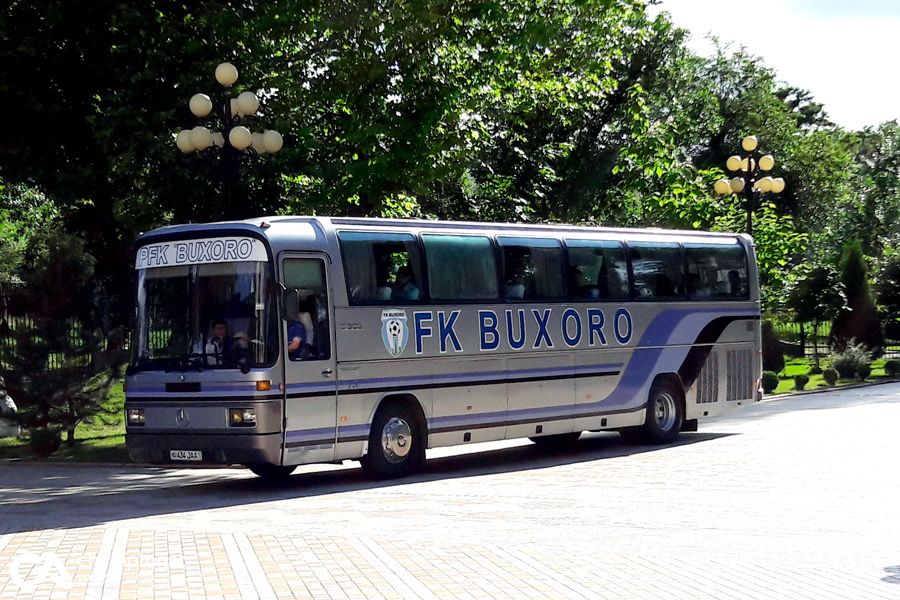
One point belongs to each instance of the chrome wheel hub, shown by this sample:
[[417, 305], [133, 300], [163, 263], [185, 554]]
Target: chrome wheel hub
[[664, 408], [396, 440]]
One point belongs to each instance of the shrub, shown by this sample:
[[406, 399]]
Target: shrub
[[800, 381], [45, 441], [830, 376], [892, 367], [773, 355], [863, 371], [769, 381], [848, 361]]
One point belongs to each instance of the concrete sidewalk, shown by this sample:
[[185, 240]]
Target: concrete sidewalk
[[789, 498]]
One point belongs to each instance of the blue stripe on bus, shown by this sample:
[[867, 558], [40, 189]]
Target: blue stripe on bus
[[413, 380], [249, 386], [309, 433], [631, 386]]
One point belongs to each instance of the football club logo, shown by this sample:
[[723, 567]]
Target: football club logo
[[394, 332]]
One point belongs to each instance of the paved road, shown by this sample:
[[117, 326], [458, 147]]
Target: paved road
[[794, 498]]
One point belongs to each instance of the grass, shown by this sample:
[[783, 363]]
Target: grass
[[102, 440], [802, 366]]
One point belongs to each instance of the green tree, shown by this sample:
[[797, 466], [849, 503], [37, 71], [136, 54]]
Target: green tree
[[815, 295], [48, 365], [858, 320], [874, 214], [887, 289]]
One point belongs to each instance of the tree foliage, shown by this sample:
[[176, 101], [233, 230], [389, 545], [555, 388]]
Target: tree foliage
[[588, 111], [48, 362], [858, 321]]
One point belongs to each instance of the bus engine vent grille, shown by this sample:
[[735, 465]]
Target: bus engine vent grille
[[708, 380], [740, 375]]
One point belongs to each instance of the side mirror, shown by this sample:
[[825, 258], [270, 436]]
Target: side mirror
[[290, 304]]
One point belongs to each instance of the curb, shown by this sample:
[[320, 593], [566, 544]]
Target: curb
[[20, 462], [833, 388]]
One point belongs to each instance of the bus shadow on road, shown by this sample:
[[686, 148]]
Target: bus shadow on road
[[46, 497]]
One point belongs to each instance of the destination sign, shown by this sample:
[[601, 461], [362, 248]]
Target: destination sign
[[203, 251]]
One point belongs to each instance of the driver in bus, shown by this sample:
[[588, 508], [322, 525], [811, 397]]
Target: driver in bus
[[219, 344]]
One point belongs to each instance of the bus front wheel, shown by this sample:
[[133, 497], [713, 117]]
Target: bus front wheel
[[396, 443], [665, 414]]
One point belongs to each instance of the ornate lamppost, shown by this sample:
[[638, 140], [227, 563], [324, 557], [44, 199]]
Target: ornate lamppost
[[751, 180], [235, 142]]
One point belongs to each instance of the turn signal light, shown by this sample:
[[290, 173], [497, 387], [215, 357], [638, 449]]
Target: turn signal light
[[263, 386]]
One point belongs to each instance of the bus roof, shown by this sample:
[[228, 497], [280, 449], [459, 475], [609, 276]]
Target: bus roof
[[312, 227]]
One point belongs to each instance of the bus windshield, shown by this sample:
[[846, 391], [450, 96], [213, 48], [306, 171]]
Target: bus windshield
[[206, 316]]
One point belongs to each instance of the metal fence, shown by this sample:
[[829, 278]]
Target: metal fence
[[16, 321], [799, 340]]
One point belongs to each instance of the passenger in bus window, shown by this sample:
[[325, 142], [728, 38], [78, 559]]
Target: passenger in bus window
[[301, 332], [405, 287], [734, 283]]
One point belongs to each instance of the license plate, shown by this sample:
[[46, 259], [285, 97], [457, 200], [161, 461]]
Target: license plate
[[190, 455]]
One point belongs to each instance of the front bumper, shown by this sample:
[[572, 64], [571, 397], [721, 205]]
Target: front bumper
[[217, 449]]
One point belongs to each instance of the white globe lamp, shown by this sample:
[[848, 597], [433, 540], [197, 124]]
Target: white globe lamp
[[247, 103], [200, 105], [201, 138], [240, 137], [272, 141], [183, 141], [226, 74]]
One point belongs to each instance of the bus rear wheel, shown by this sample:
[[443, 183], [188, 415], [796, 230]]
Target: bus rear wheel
[[273, 473], [665, 414], [396, 443]]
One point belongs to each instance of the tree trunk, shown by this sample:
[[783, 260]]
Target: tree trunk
[[815, 342], [70, 426]]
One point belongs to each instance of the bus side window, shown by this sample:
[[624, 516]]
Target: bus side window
[[460, 267], [308, 333], [532, 269], [658, 269], [717, 272], [600, 271], [381, 268]]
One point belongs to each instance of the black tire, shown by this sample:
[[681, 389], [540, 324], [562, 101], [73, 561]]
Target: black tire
[[665, 414], [273, 473], [396, 443], [557, 440]]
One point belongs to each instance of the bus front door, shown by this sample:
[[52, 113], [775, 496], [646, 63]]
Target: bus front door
[[310, 372]]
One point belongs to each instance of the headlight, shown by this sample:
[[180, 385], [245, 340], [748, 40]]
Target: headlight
[[135, 416], [242, 417]]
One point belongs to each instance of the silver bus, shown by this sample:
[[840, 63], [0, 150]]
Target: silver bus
[[282, 341]]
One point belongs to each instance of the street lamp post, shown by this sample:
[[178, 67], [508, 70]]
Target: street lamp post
[[235, 141], [751, 180]]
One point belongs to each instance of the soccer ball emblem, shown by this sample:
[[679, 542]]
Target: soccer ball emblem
[[394, 328], [394, 333]]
